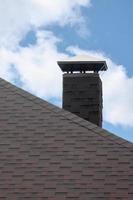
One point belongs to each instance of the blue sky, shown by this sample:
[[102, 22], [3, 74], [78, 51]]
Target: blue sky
[[44, 32], [112, 31]]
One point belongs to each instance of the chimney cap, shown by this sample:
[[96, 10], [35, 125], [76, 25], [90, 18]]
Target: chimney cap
[[82, 66]]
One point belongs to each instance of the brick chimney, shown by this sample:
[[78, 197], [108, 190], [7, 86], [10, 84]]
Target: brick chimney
[[82, 89]]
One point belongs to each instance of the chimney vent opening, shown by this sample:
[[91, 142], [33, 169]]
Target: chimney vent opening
[[82, 66]]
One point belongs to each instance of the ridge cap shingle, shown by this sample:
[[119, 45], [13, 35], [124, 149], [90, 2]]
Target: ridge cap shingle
[[67, 115]]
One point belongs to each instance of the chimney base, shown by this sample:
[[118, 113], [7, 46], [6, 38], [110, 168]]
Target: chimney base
[[82, 95]]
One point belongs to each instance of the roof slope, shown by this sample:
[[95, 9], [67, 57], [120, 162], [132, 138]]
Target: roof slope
[[47, 153]]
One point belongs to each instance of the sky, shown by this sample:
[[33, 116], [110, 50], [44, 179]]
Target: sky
[[35, 34]]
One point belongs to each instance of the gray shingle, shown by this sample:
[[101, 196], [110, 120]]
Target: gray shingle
[[49, 153]]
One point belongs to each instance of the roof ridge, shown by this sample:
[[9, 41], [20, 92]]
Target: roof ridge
[[68, 115]]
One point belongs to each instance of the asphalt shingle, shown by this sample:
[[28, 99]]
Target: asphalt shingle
[[49, 153]]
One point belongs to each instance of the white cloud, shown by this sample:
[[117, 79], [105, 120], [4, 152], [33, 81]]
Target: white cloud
[[17, 17], [36, 66]]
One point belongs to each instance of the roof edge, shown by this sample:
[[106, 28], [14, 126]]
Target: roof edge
[[68, 115]]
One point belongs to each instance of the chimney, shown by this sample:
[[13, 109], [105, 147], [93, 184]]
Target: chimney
[[82, 89]]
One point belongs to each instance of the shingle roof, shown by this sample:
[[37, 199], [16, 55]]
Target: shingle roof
[[48, 153]]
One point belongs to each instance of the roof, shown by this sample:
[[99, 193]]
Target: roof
[[51, 154], [75, 66]]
